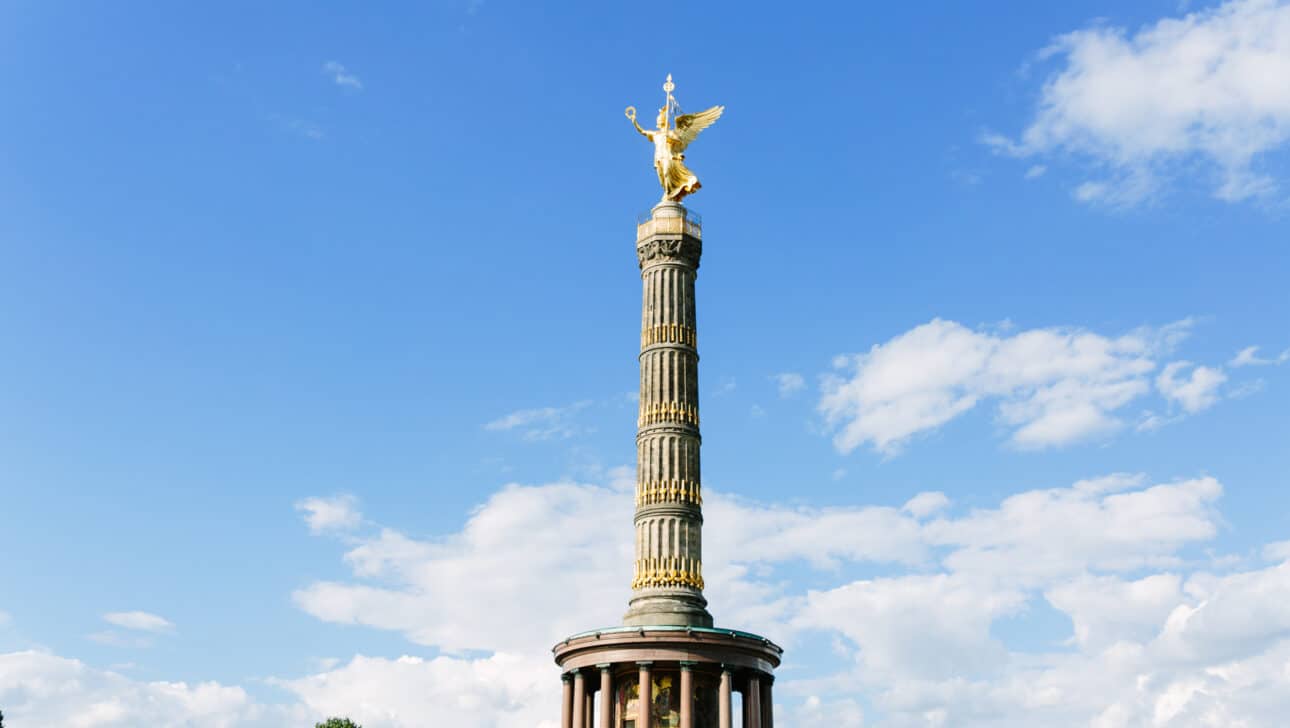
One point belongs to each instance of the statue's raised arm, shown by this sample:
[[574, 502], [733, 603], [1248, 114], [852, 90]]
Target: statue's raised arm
[[631, 114], [670, 142]]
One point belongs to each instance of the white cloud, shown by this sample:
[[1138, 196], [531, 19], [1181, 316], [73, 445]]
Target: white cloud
[[501, 691], [789, 383], [337, 513], [1039, 536], [1052, 386], [5, 618], [40, 689], [925, 504], [1207, 87], [1106, 610], [1195, 392], [1153, 641], [139, 621], [1248, 357], [842, 713], [1278, 551], [342, 76], [459, 593], [915, 626], [1036, 171], [1230, 617], [543, 423]]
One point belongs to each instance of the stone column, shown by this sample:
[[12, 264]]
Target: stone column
[[579, 700], [753, 698], [768, 704], [724, 717], [687, 695], [589, 711], [667, 588], [606, 696], [566, 701], [646, 696]]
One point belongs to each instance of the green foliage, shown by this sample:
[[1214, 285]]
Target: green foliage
[[329, 723]]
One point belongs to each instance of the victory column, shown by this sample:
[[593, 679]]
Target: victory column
[[668, 642]]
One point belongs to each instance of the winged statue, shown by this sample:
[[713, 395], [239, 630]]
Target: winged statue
[[674, 133]]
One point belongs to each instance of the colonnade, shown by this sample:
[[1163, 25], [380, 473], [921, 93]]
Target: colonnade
[[582, 687]]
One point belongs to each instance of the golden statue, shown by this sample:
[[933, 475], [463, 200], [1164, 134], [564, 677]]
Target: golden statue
[[673, 135]]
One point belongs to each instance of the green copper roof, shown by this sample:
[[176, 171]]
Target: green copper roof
[[672, 628]]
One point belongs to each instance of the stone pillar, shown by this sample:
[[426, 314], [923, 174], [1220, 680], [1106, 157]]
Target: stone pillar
[[606, 696], [589, 711], [667, 588], [566, 701], [579, 700], [753, 698], [724, 717], [687, 695], [768, 704], [643, 704]]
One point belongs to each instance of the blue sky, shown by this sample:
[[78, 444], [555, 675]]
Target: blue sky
[[312, 321]]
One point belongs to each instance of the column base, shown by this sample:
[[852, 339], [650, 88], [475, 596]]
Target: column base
[[666, 611]]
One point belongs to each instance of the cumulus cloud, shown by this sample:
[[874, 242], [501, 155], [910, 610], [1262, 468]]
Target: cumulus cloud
[[918, 626], [1052, 386], [460, 592], [1153, 638], [1206, 87], [842, 713], [1195, 391], [919, 641], [925, 504], [335, 513], [41, 689], [1106, 610], [500, 691], [341, 76]]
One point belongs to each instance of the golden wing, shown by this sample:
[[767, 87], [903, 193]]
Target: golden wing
[[688, 126]]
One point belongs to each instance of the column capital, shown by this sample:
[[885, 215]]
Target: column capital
[[688, 664], [602, 666], [566, 677], [644, 663]]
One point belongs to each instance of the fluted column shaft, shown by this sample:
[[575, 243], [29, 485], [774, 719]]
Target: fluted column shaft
[[667, 587]]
